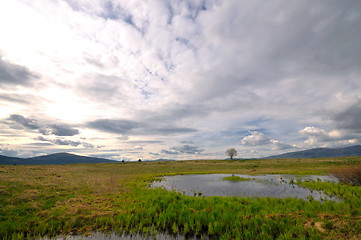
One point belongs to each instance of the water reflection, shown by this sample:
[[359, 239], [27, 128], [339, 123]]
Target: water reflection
[[278, 186]]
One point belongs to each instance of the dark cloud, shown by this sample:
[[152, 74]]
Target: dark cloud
[[121, 126], [184, 149], [59, 141], [59, 130], [23, 121], [349, 118], [66, 142], [12, 74], [51, 129]]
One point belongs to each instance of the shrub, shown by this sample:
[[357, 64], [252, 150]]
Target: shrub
[[350, 175]]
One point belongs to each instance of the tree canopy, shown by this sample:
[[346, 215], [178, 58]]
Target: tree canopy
[[231, 152]]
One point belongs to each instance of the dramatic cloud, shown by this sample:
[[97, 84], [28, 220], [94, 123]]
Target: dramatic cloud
[[261, 76]]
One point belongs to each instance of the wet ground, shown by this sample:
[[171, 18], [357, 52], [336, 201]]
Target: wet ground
[[278, 186]]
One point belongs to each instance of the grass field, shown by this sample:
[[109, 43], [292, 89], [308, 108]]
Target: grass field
[[76, 199]]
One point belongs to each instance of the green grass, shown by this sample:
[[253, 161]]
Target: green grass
[[235, 179], [76, 199]]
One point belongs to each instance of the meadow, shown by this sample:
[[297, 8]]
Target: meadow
[[79, 199]]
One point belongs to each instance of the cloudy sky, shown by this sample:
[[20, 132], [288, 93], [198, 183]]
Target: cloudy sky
[[183, 79]]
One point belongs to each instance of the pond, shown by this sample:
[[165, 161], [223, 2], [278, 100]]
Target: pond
[[277, 186]]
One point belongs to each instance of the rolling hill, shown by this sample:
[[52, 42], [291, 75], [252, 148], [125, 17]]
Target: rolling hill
[[67, 158], [322, 152], [56, 159]]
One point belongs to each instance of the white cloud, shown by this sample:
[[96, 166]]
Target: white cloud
[[255, 139], [320, 137], [259, 139]]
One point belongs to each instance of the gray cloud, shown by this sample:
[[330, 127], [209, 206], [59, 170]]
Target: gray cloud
[[66, 142], [23, 121], [14, 98], [52, 129], [166, 130], [119, 126], [102, 87], [184, 149], [59, 130], [12, 74], [122, 126], [349, 118], [59, 141]]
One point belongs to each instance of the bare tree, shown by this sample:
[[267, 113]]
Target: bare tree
[[231, 153]]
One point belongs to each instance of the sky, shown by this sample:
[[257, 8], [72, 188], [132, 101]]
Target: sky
[[185, 79]]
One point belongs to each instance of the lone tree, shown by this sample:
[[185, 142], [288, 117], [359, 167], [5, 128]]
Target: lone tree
[[231, 153]]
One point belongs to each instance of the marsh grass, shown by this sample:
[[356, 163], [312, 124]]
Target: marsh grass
[[349, 175], [75, 199]]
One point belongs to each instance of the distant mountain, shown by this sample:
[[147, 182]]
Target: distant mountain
[[4, 160], [161, 159], [322, 152], [53, 159]]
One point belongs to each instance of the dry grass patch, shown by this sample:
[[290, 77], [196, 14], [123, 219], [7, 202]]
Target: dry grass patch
[[349, 175]]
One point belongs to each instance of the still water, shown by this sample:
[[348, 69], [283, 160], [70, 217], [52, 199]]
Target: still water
[[277, 186]]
